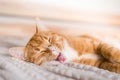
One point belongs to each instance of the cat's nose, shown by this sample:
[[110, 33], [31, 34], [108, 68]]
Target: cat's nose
[[49, 47], [52, 48]]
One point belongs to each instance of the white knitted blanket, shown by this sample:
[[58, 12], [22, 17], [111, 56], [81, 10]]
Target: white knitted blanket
[[13, 69]]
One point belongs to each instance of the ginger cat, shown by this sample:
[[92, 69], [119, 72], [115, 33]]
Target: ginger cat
[[46, 46]]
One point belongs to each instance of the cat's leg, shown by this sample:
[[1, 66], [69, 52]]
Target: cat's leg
[[114, 67], [89, 59], [109, 51]]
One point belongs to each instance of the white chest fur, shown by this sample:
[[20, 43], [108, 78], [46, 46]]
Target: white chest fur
[[68, 52]]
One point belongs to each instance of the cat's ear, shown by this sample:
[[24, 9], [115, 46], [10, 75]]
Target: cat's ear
[[37, 30], [17, 52], [40, 26]]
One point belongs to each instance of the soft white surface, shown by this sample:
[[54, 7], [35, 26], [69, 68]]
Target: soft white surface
[[13, 69]]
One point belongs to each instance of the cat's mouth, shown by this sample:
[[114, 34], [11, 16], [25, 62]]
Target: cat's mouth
[[60, 58], [55, 51]]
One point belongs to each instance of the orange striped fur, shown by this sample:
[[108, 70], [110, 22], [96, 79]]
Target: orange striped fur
[[84, 49]]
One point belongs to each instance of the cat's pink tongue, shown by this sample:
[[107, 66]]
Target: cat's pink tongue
[[60, 58]]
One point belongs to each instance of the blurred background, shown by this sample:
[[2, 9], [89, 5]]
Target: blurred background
[[17, 17]]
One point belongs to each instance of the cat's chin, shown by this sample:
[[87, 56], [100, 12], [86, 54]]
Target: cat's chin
[[60, 58]]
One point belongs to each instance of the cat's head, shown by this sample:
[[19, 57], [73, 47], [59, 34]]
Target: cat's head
[[44, 46]]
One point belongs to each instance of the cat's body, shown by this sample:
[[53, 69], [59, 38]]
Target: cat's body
[[46, 46]]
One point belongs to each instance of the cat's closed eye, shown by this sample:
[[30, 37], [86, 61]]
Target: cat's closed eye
[[36, 48]]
